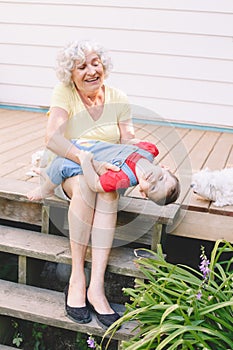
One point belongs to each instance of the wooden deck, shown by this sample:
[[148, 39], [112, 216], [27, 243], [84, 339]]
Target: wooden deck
[[184, 150]]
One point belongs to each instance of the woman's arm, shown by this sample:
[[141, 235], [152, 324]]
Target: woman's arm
[[126, 131], [55, 139]]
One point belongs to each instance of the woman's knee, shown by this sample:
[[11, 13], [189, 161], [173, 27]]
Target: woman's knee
[[77, 186], [109, 196], [107, 202]]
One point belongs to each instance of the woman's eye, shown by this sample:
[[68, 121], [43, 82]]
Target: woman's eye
[[80, 67]]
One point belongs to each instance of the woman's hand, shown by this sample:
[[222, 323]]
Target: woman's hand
[[93, 169], [103, 167], [99, 166]]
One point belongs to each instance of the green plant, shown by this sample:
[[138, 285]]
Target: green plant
[[37, 335], [81, 341], [17, 337], [178, 307]]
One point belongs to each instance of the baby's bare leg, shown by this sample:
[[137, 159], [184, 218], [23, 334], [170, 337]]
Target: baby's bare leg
[[46, 189]]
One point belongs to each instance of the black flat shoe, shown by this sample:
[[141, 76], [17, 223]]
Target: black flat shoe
[[76, 314], [104, 320]]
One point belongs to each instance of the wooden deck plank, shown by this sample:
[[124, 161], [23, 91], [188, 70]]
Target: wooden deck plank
[[27, 147], [168, 148], [200, 153], [198, 156], [166, 145], [159, 133], [10, 118], [148, 129], [219, 155], [218, 160], [229, 163], [183, 169], [18, 166], [22, 127], [141, 131], [19, 140]]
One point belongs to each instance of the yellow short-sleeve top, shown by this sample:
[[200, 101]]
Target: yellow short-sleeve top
[[81, 124]]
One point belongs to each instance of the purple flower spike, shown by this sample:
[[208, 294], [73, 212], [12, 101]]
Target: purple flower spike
[[204, 267], [91, 343]]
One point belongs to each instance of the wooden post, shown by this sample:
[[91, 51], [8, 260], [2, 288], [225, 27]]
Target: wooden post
[[156, 236], [45, 219], [22, 269]]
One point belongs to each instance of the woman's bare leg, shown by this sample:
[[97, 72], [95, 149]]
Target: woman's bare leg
[[102, 236], [80, 218]]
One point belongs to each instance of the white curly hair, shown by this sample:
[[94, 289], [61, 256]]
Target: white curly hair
[[75, 51]]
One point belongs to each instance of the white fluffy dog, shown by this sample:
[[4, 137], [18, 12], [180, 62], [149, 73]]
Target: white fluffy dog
[[216, 185], [39, 160]]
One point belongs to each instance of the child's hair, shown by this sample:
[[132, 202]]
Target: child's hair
[[172, 194]]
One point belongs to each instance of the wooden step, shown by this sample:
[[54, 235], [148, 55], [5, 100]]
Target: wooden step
[[47, 307], [138, 219], [16, 190], [25, 243]]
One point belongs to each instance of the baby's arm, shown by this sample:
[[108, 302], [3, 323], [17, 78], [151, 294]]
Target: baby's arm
[[89, 172]]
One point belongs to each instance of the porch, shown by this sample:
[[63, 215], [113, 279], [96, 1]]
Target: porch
[[184, 149]]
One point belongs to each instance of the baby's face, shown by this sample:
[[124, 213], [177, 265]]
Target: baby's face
[[156, 184]]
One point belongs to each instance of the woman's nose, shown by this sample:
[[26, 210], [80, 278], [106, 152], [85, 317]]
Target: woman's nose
[[91, 70]]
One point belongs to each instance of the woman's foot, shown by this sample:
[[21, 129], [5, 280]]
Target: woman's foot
[[105, 315], [99, 302], [79, 314]]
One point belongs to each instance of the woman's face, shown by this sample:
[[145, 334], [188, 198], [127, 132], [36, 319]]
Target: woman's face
[[88, 76]]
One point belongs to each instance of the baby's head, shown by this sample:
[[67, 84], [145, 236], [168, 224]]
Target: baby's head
[[173, 190], [161, 186]]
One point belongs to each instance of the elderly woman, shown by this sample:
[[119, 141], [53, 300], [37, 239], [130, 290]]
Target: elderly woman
[[83, 106]]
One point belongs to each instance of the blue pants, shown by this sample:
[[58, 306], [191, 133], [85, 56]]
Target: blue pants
[[62, 168]]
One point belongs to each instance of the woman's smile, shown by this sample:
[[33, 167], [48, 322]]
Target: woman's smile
[[88, 74]]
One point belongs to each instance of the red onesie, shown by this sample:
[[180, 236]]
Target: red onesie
[[113, 180]]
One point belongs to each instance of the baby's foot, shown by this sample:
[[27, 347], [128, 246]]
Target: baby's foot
[[38, 194]]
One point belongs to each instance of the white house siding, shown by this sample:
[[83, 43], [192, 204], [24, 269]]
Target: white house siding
[[173, 58]]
